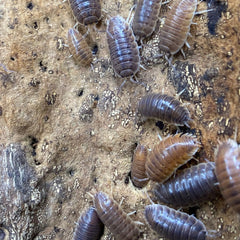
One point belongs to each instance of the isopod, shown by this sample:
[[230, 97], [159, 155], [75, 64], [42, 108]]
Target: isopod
[[145, 17], [123, 47], [174, 225], [191, 187], [138, 173], [89, 226], [227, 159], [175, 30], [79, 48], [86, 11], [113, 217], [164, 108], [169, 154]]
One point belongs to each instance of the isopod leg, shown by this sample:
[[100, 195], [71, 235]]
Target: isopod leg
[[187, 44], [203, 11], [5, 68], [183, 53], [120, 88], [140, 83], [130, 18]]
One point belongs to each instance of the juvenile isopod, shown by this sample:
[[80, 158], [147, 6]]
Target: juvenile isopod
[[191, 187], [145, 17], [123, 48], [174, 225], [89, 226], [138, 171], [227, 159], [79, 48], [169, 154], [175, 30], [86, 11], [164, 108], [113, 217]]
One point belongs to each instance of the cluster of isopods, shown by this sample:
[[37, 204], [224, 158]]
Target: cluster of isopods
[[122, 35], [192, 186]]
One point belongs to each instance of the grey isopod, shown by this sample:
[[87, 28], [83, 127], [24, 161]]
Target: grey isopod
[[79, 48], [145, 17], [86, 11], [164, 108], [174, 225], [190, 187], [114, 218], [123, 47], [89, 226]]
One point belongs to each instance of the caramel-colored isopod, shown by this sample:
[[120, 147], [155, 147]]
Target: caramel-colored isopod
[[190, 187], [168, 155], [79, 48], [138, 171], [86, 11], [145, 17], [89, 226], [174, 225], [123, 48], [227, 159], [174, 32], [164, 108], [113, 217]]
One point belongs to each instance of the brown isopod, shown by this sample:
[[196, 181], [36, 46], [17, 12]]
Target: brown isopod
[[164, 108], [113, 217], [145, 17], [86, 11], [79, 48], [191, 187], [227, 159], [175, 30], [138, 171], [89, 226], [174, 225], [123, 48], [168, 155]]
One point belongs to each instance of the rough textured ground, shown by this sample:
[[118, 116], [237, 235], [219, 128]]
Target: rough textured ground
[[78, 135]]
